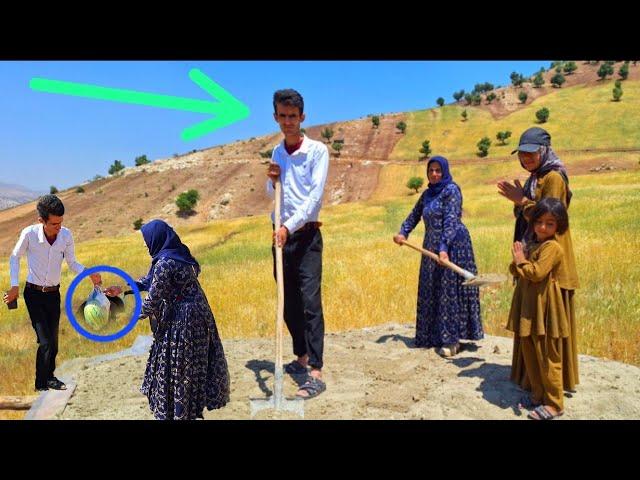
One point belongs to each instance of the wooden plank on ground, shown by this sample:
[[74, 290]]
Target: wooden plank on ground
[[16, 402]]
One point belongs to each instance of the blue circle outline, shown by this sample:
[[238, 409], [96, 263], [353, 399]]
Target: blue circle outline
[[72, 318]]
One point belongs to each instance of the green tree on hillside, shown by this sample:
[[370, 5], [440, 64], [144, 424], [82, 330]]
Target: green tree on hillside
[[482, 87], [458, 95], [538, 80], [624, 71], [522, 96], [483, 146], [401, 126], [266, 153], [605, 70], [187, 200], [557, 80], [516, 79], [464, 115], [491, 97], [426, 149], [569, 68], [440, 101], [375, 120], [617, 94], [542, 115], [141, 160], [502, 136], [327, 133], [116, 167], [415, 183]]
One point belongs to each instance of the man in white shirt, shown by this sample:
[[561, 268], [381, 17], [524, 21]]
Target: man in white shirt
[[302, 165], [46, 244]]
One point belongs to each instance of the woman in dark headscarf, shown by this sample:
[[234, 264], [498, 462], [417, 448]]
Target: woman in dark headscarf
[[447, 310], [186, 370], [548, 179]]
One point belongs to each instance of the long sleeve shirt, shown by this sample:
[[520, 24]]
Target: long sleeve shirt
[[44, 260], [303, 175]]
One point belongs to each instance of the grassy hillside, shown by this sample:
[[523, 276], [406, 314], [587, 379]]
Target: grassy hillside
[[581, 117]]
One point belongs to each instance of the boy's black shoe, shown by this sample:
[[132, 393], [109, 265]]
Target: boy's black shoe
[[56, 384]]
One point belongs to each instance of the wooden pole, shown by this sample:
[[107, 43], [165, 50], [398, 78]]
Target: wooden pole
[[460, 271], [278, 373], [17, 403]]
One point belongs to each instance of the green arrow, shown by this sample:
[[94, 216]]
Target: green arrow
[[228, 110]]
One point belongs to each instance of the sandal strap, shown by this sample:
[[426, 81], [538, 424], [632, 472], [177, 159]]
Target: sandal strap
[[307, 386], [312, 385], [543, 413]]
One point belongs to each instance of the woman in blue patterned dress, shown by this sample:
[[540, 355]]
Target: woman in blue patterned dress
[[447, 310], [186, 370]]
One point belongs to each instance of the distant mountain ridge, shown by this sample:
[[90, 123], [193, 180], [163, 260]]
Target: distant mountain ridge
[[12, 195]]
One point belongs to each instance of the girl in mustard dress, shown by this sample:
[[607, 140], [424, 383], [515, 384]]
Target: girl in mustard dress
[[540, 309]]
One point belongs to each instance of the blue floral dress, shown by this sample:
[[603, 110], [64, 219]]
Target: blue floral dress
[[187, 369], [447, 310]]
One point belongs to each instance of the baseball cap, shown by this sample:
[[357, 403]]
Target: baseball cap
[[531, 140]]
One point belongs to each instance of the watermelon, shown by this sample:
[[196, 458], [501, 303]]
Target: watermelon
[[95, 316]]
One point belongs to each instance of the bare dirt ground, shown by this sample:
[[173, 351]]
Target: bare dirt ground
[[373, 373]]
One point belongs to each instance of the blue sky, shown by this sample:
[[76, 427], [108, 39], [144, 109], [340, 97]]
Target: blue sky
[[48, 139]]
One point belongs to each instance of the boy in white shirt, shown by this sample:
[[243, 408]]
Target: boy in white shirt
[[302, 165], [46, 244]]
